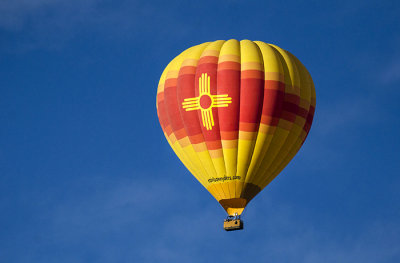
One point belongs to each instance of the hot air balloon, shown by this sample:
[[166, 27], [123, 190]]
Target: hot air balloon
[[235, 113]]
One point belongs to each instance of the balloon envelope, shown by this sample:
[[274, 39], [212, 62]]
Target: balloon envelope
[[235, 113]]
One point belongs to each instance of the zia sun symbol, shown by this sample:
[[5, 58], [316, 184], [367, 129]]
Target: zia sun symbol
[[205, 102]]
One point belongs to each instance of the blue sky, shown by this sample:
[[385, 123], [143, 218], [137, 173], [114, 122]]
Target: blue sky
[[87, 176]]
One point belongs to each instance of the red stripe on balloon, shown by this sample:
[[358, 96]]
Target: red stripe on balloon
[[251, 101], [273, 102], [172, 107], [229, 83], [208, 64], [186, 89]]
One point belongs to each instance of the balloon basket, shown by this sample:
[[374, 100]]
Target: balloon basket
[[232, 223]]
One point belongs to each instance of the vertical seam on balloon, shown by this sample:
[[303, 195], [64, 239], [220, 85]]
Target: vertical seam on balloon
[[212, 118], [219, 102], [240, 109], [259, 121], [301, 86], [283, 145], [218, 186], [196, 166], [206, 175], [259, 162], [304, 84], [312, 89], [238, 123], [260, 179], [260, 174], [181, 156]]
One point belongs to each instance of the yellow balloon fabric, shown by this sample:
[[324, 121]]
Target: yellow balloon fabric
[[235, 113]]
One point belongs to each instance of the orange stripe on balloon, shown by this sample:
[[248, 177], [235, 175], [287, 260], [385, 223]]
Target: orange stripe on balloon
[[168, 129], [229, 135], [209, 52], [274, 85], [200, 147], [213, 145], [197, 138], [160, 97], [189, 62], [181, 133], [271, 121], [184, 142], [252, 74], [274, 76], [170, 83], [252, 66], [248, 127], [229, 65], [244, 135], [208, 59], [187, 70], [229, 57], [229, 144]]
